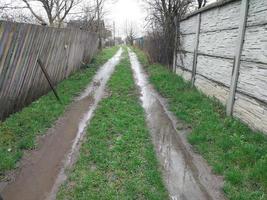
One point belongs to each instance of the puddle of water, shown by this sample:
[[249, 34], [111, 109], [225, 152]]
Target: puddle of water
[[186, 175], [43, 170]]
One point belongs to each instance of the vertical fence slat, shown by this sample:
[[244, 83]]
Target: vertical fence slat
[[21, 80]]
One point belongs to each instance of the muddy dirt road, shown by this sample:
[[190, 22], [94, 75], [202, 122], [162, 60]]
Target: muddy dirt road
[[186, 175], [42, 170]]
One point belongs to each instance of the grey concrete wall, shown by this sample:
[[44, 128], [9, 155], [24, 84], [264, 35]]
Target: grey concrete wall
[[216, 52]]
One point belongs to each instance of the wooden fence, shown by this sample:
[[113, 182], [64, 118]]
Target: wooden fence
[[62, 51]]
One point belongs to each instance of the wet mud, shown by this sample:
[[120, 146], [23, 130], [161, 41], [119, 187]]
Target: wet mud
[[43, 170], [186, 174]]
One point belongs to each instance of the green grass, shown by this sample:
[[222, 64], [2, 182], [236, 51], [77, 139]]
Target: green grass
[[19, 131], [117, 160], [230, 147]]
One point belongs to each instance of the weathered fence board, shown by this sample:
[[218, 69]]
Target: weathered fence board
[[218, 38], [21, 79]]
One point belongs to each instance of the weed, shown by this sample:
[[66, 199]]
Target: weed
[[19, 131], [229, 146], [117, 160]]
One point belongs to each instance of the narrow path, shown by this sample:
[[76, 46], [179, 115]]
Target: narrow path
[[116, 159], [42, 170], [186, 175]]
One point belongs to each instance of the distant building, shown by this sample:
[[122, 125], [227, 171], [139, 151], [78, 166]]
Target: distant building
[[139, 42]]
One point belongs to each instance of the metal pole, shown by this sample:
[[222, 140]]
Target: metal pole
[[194, 69], [48, 79], [238, 53]]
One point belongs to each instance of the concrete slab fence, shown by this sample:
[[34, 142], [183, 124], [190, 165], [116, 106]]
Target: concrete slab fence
[[62, 52], [224, 54]]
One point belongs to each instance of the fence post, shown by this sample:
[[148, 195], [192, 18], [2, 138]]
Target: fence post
[[194, 69], [175, 45], [238, 53]]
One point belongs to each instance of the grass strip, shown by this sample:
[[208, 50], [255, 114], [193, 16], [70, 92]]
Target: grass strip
[[19, 131], [230, 147], [117, 160]]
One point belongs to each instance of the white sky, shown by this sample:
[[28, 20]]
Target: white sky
[[130, 11], [120, 12]]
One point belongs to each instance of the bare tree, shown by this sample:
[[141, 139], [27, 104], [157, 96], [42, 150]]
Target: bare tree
[[89, 17], [94, 17], [100, 13], [4, 6], [100, 21], [162, 21], [56, 10], [93, 14], [17, 16], [130, 33]]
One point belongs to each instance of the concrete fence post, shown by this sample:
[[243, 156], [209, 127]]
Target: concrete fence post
[[238, 53], [174, 64], [194, 68]]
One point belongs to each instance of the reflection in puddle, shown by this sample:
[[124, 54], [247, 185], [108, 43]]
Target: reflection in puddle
[[186, 176], [42, 170], [96, 90]]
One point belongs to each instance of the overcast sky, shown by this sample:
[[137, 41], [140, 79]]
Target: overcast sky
[[132, 11], [120, 12]]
